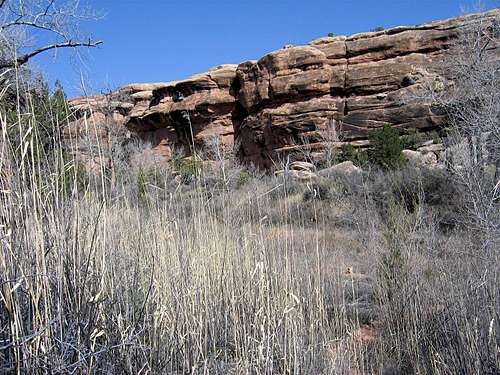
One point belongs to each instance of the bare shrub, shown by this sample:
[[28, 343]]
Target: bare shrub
[[431, 299], [472, 103]]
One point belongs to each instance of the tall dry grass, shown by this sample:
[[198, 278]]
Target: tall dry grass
[[101, 282], [263, 276]]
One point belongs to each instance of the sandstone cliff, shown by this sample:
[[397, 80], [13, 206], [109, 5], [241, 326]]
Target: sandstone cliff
[[334, 89]]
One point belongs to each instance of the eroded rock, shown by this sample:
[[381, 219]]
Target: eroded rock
[[296, 99], [346, 168], [302, 166], [344, 87], [419, 159], [299, 175]]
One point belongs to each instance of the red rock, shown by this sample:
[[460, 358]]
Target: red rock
[[356, 83], [334, 89]]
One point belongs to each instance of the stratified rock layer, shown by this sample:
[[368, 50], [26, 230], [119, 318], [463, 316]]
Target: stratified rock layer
[[334, 89], [190, 112], [341, 88], [169, 116]]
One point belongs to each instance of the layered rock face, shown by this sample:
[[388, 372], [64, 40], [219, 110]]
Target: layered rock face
[[341, 88], [188, 113], [174, 115], [335, 89]]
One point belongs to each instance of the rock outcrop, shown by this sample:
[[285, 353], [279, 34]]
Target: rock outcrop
[[166, 115], [189, 112], [334, 89], [343, 87]]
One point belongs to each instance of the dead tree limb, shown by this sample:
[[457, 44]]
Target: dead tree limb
[[21, 60]]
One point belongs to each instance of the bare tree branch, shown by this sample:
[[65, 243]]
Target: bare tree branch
[[22, 21], [35, 25], [24, 58]]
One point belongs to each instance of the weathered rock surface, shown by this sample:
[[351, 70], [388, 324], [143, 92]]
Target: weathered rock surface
[[302, 166], [166, 115], [343, 87], [297, 174], [346, 168], [334, 89], [419, 159], [193, 111]]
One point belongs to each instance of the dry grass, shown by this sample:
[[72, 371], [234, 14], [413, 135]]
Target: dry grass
[[98, 286], [233, 275]]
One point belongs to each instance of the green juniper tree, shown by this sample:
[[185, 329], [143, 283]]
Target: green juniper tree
[[387, 147]]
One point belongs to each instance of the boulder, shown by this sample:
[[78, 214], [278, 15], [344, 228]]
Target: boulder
[[302, 166], [432, 148], [346, 168], [300, 175], [417, 158]]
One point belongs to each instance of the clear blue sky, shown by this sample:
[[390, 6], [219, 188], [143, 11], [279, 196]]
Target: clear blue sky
[[164, 40]]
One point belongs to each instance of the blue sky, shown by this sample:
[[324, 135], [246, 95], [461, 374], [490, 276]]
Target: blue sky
[[165, 40]]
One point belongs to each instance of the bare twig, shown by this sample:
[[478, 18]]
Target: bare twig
[[25, 58]]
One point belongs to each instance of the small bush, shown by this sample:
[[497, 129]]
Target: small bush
[[393, 265], [436, 138], [432, 189], [141, 184], [378, 29], [317, 191], [412, 139], [243, 177], [147, 177], [285, 186], [362, 158], [387, 147], [349, 153]]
